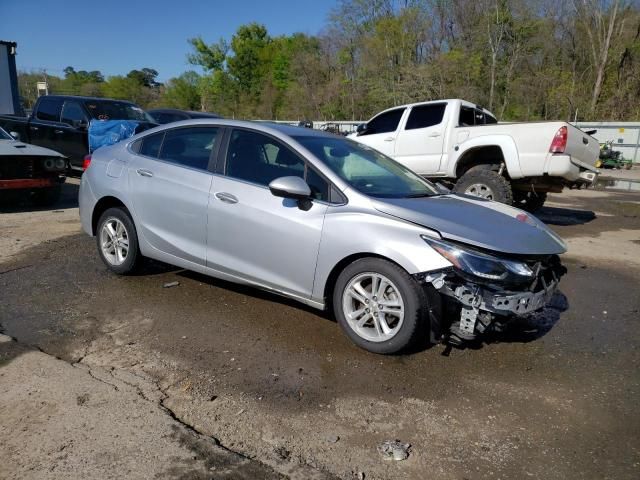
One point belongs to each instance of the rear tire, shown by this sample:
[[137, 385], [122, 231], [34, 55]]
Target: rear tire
[[485, 182], [370, 316], [117, 241], [529, 201]]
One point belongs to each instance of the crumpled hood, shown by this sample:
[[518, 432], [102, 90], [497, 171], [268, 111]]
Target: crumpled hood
[[484, 224], [14, 147]]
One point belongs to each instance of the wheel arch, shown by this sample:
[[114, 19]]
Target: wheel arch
[[344, 263], [103, 205], [490, 149]]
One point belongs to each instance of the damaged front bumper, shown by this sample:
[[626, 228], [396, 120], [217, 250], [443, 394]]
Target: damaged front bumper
[[481, 306]]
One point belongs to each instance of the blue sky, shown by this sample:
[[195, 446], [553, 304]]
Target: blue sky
[[116, 36]]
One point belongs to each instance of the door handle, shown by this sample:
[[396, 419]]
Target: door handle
[[33, 128], [226, 197], [389, 139], [434, 134], [58, 131], [144, 173]]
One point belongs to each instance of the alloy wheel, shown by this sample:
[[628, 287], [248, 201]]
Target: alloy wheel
[[479, 190], [373, 307], [114, 241]]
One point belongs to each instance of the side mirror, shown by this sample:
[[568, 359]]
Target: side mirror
[[290, 187], [79, 124], [15, 135], [360, 129]]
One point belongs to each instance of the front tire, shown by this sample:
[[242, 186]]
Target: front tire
[[484, 182], [117, 241], [380, 306]]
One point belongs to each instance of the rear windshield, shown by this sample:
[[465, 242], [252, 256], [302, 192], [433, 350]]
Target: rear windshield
[[110, 110]]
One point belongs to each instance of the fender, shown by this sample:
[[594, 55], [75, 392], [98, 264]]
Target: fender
[[359, 235], [504, 142]]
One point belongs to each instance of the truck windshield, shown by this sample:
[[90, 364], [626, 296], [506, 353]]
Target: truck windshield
[[110, 110], [4, 135], [367, 170]]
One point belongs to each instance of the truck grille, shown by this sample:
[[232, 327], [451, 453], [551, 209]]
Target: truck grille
[[16, 167]]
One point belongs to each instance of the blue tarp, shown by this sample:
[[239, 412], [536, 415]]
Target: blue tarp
[[107, 132]]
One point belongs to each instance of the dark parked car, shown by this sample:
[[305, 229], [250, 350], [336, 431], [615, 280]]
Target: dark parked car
[[60, 123], [27, 169], [168, 115]]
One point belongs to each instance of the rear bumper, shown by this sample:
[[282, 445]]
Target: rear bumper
[[573, 171], [27, 183]]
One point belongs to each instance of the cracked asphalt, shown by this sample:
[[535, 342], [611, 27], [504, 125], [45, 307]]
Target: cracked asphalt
[[263, 387]]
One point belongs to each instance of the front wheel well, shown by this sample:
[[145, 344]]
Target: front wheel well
[[102, 206], [486, 155], [340, 266]]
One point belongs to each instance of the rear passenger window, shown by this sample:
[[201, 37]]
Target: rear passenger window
[[189, 147], [49, 109], [424, 116], [151, 145]]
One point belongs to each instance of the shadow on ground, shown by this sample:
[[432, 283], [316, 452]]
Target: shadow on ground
[[565, 216]]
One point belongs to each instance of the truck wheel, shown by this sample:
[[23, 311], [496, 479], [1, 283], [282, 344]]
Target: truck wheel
[[484, 182], [380, 307], [529, 201], [117, 241], [46, 197]]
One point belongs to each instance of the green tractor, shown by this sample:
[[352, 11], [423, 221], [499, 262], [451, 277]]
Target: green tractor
[[610, 158]]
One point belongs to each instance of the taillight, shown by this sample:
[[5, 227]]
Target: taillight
[[86, 162], [559, 142]]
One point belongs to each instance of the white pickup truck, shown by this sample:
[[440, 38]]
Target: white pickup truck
[[465, 146]]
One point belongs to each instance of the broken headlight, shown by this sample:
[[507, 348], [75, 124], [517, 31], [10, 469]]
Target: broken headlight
[[480, 264]]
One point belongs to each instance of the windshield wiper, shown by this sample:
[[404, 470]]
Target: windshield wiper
[[420, 195]]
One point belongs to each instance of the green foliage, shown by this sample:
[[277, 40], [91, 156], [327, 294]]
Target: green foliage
[[183, 92], [525, 59]]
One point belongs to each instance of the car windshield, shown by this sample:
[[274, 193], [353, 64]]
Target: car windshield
[[366, 169], [110, 110], [4, 135]]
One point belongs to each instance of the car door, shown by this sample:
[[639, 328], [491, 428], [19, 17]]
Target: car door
[[382, 130], [420, 141], [74, 136], [255, 235], [45, 127], [169, 183]]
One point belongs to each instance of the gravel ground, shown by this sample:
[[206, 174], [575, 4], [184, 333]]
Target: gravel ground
[[278, 383]]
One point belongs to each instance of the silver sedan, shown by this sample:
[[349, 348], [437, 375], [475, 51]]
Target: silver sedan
[[321, 219]]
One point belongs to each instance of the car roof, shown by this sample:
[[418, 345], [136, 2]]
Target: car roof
[[267, 127], [189, 113], [429, 102]]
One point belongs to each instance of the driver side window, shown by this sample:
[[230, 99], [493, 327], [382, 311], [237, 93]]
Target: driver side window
[[384, 123], [260, 159]]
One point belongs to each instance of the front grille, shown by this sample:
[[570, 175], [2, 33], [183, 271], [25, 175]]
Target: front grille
[[16, 167]]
